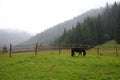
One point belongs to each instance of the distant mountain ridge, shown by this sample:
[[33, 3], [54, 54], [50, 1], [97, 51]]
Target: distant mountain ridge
[[49, 35], [8, 36]]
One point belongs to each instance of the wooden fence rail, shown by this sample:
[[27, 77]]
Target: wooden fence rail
[[36, 47]]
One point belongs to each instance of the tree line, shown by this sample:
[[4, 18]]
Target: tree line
[[95, 30]]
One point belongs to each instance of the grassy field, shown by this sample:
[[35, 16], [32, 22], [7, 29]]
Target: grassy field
[[54, 66]]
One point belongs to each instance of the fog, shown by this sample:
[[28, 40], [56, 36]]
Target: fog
[[35, 16]]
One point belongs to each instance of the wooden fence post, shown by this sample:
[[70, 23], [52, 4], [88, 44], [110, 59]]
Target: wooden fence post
[[10, 52], [59, 48], [98, 52], [36, 48], [116, 50]]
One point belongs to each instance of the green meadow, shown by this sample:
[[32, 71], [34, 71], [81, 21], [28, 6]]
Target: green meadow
[[54, 66], [50, 65]]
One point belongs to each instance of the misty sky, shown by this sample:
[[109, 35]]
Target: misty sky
[[35, 16]]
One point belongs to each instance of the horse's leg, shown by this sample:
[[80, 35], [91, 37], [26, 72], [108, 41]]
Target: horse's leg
[[72, 53], [84, 53]]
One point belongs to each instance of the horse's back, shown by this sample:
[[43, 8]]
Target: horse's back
[[78, 49]]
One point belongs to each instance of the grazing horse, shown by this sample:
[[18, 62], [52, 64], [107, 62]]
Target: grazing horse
[[80, 50]]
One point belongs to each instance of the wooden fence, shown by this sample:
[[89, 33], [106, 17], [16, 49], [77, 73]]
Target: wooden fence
[[60, 47]]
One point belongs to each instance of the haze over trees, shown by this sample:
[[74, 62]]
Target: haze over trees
[[95, 30], [48, 36]]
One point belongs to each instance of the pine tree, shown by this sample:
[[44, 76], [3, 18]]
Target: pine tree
[[118, 27]]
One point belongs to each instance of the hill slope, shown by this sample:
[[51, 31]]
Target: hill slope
[[95, 30], [109, 44], [8, 36], [51, 34]]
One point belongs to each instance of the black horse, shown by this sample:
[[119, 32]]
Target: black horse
[[80, 50]]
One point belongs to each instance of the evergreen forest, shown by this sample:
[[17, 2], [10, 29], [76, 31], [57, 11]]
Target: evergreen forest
[[95, 30]]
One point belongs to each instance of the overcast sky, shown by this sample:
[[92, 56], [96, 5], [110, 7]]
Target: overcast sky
[[34, 16]]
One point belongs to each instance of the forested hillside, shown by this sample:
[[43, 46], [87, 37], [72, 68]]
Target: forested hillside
[[95, 30], [49, 35]]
